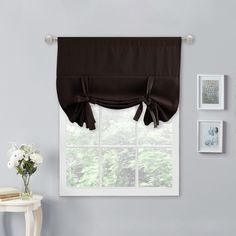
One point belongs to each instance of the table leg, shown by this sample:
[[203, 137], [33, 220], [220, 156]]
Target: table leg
[[37, 221], [29, 223]]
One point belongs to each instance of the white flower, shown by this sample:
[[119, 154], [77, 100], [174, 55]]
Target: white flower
[[36, 158], [11, 164], [36, 165], [26, 148], [17, 155], [33, 148], [14, 161]]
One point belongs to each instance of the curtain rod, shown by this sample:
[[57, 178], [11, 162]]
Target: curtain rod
[[50, 39]]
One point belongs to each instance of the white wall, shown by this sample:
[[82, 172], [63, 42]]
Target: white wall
[[29, 113]]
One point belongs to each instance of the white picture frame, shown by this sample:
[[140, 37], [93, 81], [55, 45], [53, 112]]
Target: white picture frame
[[210, 92], [210, 136]]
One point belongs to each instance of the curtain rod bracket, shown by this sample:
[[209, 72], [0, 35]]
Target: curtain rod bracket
[[50, 39]]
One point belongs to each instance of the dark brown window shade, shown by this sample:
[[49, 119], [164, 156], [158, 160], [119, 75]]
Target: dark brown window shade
[[118, 73]]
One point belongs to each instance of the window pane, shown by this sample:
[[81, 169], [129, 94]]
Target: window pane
[[162, 135], [117, 127], [155, 167], [76, 135], [118, 167], [82, 167]]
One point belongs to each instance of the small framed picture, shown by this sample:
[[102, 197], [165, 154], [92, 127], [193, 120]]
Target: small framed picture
[[210, 136], [210, 92]]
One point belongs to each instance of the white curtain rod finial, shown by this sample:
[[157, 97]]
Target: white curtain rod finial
[[49, 39], [189, 38]]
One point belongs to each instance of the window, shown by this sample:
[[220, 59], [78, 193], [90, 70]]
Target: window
[[121, 157]]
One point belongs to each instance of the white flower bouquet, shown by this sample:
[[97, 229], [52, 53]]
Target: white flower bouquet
[[25, 159]]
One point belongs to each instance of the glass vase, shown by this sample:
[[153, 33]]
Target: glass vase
[[26, 192]]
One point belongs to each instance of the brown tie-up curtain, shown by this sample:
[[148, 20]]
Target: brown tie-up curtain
[[118, 73]]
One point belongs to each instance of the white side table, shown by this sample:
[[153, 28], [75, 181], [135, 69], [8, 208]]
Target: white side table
[[31, 208]]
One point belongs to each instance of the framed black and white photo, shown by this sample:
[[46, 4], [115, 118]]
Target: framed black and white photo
[[210, 92], [210, 136]]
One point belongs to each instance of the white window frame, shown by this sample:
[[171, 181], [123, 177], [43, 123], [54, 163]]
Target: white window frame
[[118, 191]]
